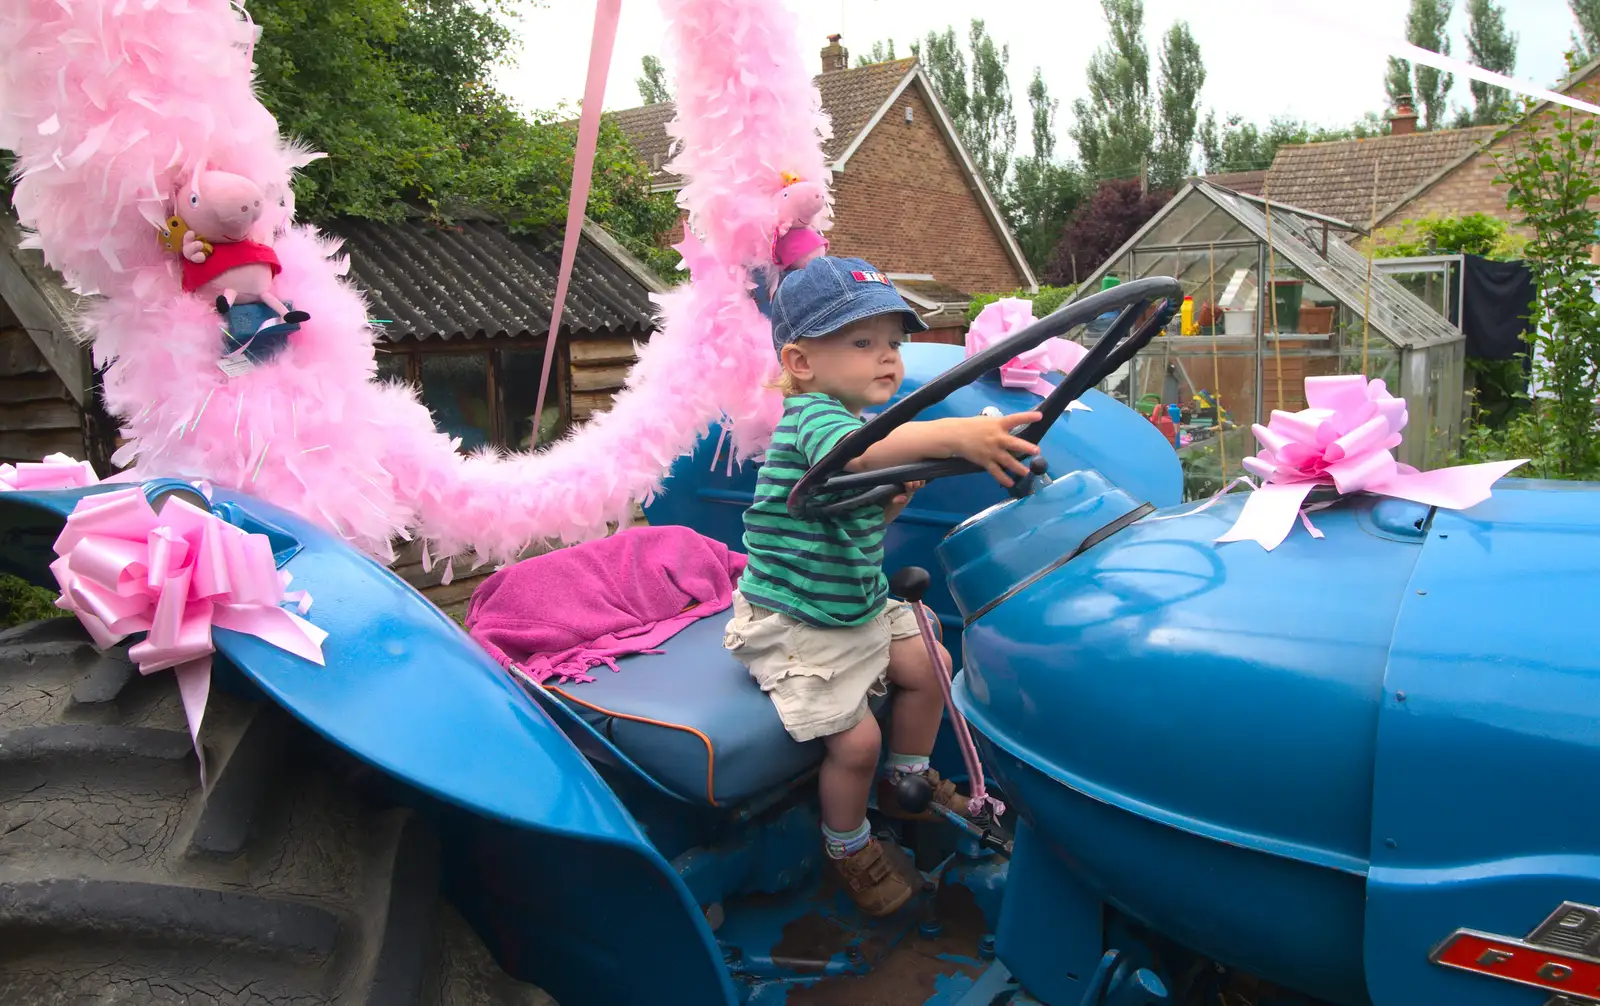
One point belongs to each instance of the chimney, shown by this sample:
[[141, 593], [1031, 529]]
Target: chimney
[[835, 56], [1404, 120]]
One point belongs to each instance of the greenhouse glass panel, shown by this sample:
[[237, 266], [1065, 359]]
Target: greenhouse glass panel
[[1246, 344]]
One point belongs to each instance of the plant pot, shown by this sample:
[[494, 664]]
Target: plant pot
[[1239, 321], [1315, 320]]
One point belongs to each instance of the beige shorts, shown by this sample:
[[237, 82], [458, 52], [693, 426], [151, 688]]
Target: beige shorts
[[820, 679]]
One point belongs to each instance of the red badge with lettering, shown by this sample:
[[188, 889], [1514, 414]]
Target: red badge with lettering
[[1561, 955]]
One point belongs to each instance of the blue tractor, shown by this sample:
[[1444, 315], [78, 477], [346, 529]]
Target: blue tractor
[[1350, 771]]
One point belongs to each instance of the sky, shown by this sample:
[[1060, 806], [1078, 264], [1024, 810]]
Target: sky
[[1263, 58]]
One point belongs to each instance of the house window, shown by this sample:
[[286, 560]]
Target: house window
[[483, 391]]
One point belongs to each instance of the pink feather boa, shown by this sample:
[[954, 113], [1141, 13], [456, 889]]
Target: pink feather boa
[[108, 102]]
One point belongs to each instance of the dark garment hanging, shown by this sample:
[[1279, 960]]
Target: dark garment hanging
[[1499, 297]]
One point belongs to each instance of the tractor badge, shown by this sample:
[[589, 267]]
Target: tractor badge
[[1561, 955]]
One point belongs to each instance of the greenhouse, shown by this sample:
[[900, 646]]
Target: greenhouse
[[1232, 356]]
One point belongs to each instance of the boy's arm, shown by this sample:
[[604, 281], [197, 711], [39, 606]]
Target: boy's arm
[[986, 441]]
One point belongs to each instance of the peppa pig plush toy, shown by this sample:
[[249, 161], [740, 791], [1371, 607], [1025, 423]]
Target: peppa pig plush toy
[[799, 204], [220, 211]]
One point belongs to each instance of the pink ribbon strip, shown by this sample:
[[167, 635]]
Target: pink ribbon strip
[[1344, 438], [1004, 318], [606, 15], [123, 568], [969, 751], [56, 471]]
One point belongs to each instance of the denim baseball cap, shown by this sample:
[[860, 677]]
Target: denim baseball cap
[[830, 293]]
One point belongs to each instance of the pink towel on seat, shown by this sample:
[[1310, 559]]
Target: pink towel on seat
[[557, 614]]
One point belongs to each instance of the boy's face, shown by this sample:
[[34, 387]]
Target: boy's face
[[859, 364]]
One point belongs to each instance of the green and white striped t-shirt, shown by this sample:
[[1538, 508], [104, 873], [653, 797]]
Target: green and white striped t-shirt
[[825, 572]]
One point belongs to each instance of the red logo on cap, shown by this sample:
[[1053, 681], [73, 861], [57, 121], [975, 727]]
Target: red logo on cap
[[870, 277]]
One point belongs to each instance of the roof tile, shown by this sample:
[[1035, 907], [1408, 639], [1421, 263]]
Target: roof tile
[[850, 97], [1336, 178]]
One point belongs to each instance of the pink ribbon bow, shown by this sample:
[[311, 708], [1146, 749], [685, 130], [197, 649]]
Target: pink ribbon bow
[[124, 568], [56, 471], [1344, 439], [1005, 318]]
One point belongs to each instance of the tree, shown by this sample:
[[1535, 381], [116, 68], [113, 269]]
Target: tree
[[1492, 46], [1100, 226], [1397, 83], [1113, 131], [1586, 40], [1426, 27], [1236, 145], [1122, 130], [1043, 192], [653, 89], [979, 101], [882, 52], [1182, 75], [991, 127], [397, 94], [941, 55], [1550, 166]]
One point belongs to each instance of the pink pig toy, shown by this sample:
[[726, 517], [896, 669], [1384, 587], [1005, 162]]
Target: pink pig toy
[[222, 209], [799, 204]]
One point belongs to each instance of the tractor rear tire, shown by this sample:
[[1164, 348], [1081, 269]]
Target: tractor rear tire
[[120, 882]]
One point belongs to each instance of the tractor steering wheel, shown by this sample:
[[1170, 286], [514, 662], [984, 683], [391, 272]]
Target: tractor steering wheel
[[1143, 308]]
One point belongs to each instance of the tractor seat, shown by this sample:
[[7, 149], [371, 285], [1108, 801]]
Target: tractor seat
[[693, 718]]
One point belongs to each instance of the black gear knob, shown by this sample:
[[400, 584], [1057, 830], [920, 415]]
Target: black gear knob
[[913, 792], [911, 582], [1038, 466]]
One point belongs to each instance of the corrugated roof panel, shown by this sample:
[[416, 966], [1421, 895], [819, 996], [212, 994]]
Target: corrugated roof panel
[[476, 278]]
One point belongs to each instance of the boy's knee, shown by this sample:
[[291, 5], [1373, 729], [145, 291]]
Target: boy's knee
[[910, 665], [859, 746]]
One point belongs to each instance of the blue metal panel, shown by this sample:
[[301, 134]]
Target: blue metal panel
[[1003, 546], [406, 690], [1050, 934], [1489, 740], [1111, 439], [1286, 920], [1227, 689], [1194, 725]]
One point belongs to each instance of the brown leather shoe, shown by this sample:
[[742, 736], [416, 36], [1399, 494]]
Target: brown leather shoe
[[944, 793], [873, 880]]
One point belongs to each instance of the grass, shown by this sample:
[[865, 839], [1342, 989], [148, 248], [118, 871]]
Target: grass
[[21, 601]]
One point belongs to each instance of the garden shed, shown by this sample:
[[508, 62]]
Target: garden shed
[[1244, 354]]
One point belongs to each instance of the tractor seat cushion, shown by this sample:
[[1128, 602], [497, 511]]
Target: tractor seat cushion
[[693, 718]]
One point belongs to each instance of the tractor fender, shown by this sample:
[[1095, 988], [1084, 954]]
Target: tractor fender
[[582, 898], [1486, 743]]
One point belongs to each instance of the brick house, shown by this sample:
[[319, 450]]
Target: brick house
[[1465, 184], [1350, 180], [907, 195], [1405, 175]]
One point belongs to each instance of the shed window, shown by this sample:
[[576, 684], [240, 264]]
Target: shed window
[[483, 391]]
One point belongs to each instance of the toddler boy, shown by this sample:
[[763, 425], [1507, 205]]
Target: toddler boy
[[812, 617]]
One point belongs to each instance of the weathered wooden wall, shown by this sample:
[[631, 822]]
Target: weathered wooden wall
[[37, 413], [599, 370]]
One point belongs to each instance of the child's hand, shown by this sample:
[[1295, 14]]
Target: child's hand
[[987, 442], [892, 509]]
